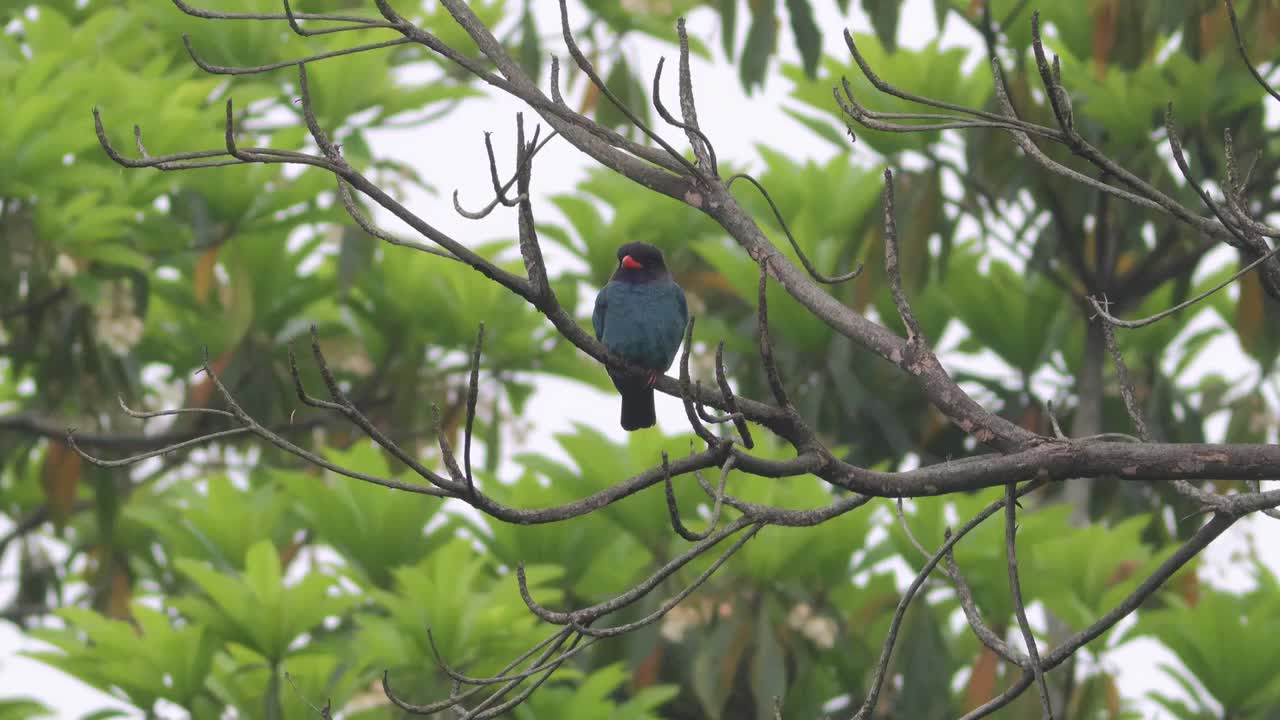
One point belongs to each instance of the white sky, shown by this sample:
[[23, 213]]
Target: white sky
[[451, 154]]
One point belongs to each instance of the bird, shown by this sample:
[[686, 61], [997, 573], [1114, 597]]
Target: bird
[[640, 315]]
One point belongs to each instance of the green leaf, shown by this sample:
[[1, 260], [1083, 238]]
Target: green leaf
[[22, 710], [355, 255], [630, 94], [762, 38], [822, 128], [884, 20], [728, 26], [808, 37], [923, 659], [768, 666], [530, 47]]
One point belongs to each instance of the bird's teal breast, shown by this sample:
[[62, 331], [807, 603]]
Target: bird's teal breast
[[645, 323]]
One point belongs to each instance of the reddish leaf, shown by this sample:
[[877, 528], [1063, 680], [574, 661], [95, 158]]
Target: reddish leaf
[[1031, 418], [202, 276], [871, 281], [1189, 588], [60, 476], [291, 551], [1113, 698], [982, 683], [202, 391], [592, 96], [1268, 31], [1123, 572], [646, 673], [1250, 318], [703, 282], [738, 644], [119, 596], [1215, 28], [1104, 34]]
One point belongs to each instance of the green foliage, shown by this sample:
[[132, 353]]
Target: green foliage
[[1209, 634], [153, 660], [935, 73], [238, 580], [22, 710]]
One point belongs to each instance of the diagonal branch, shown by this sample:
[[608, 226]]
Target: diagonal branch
[[804, 259], [1244, 54], [585, 66], [981, 630], [1207, 533], [1015, 589], [877, 679]]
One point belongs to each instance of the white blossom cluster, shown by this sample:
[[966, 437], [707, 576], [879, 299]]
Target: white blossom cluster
[[819, 629], [116, 322]]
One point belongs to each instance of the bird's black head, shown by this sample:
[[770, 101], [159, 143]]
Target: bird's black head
[[639, 262]]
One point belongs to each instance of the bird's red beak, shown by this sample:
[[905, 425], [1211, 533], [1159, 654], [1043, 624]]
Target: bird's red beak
[[630, 263]]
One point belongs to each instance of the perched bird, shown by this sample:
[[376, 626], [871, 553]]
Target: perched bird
[[640, 315]]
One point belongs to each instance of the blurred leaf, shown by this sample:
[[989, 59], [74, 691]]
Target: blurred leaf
[[22, 710], [884, 20], [60, 475], [768, 667], [530, 47], [728, 25], [808, 37], [762, 37], [628, 90]]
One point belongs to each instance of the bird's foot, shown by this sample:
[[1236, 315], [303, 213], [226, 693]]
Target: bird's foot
[[652, 378]]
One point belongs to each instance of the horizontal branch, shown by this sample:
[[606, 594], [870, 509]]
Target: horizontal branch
[[1060, 460]]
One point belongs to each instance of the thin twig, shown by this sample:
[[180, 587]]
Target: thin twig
[[1244, 54], [804, 259], [674, 510], [1015, 589], [877, 679], [981, 630]]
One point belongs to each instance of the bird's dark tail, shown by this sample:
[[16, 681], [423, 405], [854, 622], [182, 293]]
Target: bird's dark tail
[[637, 408]]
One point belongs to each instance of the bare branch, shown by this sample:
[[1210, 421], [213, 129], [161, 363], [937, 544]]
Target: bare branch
[[687, 391], [1207, 533], [1015, 588], [674, 509], [1126, 387], [499, 196], [877, 679], [1143, 322], [473, 395], [915, 336], [585, 66], [349, 203], [981, 630], [1244, 54], [599, 610], [703, 151], [701, 143], [212, 15], [257, 69], [766, 344], [730, 400], [804, 259], [292, 17]]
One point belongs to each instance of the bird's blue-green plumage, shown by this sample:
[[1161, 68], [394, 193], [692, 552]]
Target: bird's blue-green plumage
[[640, 315], [642, 322]]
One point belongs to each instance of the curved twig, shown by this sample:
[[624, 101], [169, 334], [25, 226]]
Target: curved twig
[[1015, 589], [1244, 54], [674, 510], [877, 679], [804, 259]]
